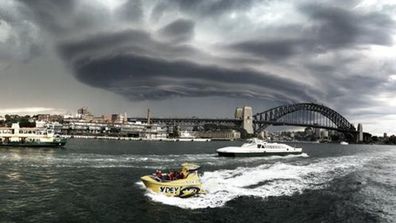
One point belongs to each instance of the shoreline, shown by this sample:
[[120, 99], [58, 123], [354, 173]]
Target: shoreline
[[144, 139]]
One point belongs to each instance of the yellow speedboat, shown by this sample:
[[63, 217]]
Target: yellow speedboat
[[186, 184]]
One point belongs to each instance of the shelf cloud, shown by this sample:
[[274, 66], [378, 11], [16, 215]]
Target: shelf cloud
[[294, 51]]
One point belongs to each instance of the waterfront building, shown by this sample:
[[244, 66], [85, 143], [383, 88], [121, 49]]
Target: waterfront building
[[99, 119], [40, 124], [223, 134], [48, 118], [43, 117], [324, 134], [308, 131], [143, 130], [83, 127], [115, 118], [84, 123], [186, 134], [317, 133]]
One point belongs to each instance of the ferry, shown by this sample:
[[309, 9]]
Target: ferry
[[184, 183], [256, 147], [29, 137]]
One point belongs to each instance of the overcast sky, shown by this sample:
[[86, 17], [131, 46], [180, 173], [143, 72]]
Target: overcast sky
[[199, 57]]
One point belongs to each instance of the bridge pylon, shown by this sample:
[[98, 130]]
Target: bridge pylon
[[246, 115]]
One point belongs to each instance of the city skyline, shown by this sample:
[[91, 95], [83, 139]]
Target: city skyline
[[199, 58]]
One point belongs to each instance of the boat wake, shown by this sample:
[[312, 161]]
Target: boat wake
[[278, 179], [82, 160]]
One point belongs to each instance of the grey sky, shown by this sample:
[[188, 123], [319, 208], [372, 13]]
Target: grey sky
[[200, 58]]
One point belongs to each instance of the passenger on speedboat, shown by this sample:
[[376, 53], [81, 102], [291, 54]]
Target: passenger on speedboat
[[158, 174], [172, 175]]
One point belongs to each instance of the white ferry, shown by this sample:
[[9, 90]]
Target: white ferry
[[256, 147], [29, 137]]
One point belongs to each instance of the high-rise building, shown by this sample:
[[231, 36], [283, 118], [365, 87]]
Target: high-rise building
[[83, 111]]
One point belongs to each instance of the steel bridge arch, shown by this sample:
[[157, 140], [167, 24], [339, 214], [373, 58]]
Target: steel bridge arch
[[264, 119]]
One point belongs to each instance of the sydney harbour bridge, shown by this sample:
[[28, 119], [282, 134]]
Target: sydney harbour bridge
[[301, 114]]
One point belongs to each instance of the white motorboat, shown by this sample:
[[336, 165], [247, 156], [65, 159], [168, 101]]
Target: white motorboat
[[344, 143], [256, 147]]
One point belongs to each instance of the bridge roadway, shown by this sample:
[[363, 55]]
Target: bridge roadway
[[187, 121], [276, 123], [228, 122]]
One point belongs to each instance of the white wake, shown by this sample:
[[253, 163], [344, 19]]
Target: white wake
[[263, 181]]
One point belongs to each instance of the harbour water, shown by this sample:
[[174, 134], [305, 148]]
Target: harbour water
[[98, 181]]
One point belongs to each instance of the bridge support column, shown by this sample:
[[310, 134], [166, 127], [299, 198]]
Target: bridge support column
[[247, 123], [360, 133]]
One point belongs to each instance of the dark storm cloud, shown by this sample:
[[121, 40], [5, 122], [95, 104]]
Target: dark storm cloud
[[94, 44], [337, 27], [50, 14], [20, 38], [193, 48], [271, 49], [131, 10], [330, 28], [127, 41], [179, 30], [69, 17], [213, 8], [188, 79], [152, 77]]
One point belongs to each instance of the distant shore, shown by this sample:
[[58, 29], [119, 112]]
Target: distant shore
[[144, 139]]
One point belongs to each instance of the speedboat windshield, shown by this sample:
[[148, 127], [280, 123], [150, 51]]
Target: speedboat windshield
[[254, 141], [190, 166]]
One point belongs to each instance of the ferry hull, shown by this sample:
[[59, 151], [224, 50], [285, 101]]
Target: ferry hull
[[231, 154], [46, 144], [29, 137]]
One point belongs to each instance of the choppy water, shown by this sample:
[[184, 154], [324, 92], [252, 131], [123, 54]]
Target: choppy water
[[98, 181]]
